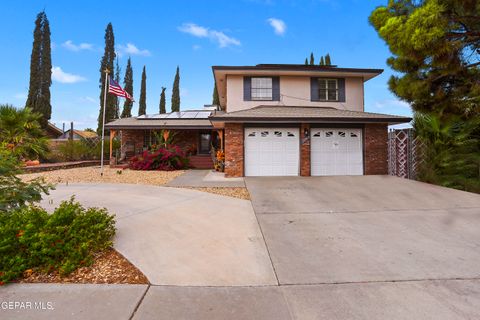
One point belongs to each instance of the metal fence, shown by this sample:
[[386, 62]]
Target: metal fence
[[405, 153]]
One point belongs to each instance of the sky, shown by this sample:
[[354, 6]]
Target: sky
[[191, 34]]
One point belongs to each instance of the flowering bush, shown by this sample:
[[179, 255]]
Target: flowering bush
[[162, 158]]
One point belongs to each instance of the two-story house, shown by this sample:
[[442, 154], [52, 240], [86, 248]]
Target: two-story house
[[279, 120]]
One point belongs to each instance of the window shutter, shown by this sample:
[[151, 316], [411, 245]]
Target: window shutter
[[247, 88], [341, 90], [314, 89], [275, 88]]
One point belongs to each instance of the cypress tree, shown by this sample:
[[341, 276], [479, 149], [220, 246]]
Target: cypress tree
[[142, 104], [107, 63], [328, 61], [322, 61], [128, 87], [306, 61], [117, 80], [162, 107], [215, 98], [40, 70], [312, 59], [176, 92]]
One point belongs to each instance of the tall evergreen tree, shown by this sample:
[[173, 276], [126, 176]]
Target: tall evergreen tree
[[312, 59], [328, 61], [306, 61], [128, 87], [322, 61], [107, 62], [40, 70], [162, 107], [215, 98], [142, 104], [176, 92], [117, 80]]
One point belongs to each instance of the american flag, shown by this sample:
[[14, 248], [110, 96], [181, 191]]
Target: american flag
[[115, 89]]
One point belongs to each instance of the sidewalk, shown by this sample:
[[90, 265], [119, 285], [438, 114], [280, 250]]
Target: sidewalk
[[205, 178]]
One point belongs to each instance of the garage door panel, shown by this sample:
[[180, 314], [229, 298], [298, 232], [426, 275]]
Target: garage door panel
[[336, 151], [271, 151]]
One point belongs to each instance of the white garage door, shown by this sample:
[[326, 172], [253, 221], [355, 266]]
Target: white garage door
[[272, 151], [336, 151]]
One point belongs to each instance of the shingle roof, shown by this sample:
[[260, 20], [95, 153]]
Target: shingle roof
[[131, 123], [298, 67], [305, 114]]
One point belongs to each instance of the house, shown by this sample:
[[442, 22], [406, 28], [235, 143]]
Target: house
[[280, 120], [52, 131], [78, 134]]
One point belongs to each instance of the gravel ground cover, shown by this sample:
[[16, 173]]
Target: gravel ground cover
[[110, 175], [236, 192]]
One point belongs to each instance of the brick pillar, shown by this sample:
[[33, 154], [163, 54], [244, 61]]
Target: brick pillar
[[304, 151], [234, 150], [376, 148]]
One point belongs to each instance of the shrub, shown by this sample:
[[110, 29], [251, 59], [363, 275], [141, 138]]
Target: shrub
[[84, 149], [164, 158], [14, 193], [63, 241]]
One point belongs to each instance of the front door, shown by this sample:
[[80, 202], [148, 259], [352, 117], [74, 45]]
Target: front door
[[204, 143]]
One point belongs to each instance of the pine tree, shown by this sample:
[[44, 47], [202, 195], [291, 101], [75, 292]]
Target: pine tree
[[107, 63], [215, 98], [142, 104], [128, 87], [328, 61], [162, 107], [306, 61], [312, 59], [322, 61], [41, 70], [117, 80], [176, 92]]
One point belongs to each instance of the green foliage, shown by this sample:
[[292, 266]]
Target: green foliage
[[322, 61], [162, 106], [14, 193], [452, 151], [328, 61], [142, 105], [84, 149], [128, 87], [312, 59], [20, 132], [117, 80], [64, 240], [40, 70], [107, 62], [176, 92], [215, 98], [306, 61]]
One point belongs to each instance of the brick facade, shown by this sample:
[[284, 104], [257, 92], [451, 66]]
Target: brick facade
[[234, 157], [376, 149], [304, 151]]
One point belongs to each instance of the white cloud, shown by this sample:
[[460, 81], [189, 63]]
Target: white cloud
[[279, 26], [132, 50], [63, 77], [69, 45], [214, 35], [391, 103]]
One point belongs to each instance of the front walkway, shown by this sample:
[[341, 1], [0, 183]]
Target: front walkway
[[205, 178]]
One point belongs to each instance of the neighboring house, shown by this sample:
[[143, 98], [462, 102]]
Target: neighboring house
[[280, 120], [78, 135], [52, 131]]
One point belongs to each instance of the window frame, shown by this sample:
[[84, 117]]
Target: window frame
[[252, 98], [337, 90]]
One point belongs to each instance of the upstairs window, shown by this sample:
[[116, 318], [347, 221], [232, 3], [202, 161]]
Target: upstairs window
[[328, 89], [262, 89]]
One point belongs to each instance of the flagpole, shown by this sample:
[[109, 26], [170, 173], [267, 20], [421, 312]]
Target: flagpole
[[103, 122]]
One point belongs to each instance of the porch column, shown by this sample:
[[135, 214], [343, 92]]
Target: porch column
[[234, 150]]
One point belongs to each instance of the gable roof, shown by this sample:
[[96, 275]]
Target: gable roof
[[297, 114]]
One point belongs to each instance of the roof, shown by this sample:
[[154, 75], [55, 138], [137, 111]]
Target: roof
[[189, 119], [306, 114], [298, 67], [53, 128]]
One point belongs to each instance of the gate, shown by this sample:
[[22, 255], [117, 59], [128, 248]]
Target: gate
[[405, 153]]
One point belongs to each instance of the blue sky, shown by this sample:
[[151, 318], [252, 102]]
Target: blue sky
[[192, 34]]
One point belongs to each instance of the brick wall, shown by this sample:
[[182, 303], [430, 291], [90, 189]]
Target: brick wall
[[234, 150], [131, 142], [376, 149], [304, 151]]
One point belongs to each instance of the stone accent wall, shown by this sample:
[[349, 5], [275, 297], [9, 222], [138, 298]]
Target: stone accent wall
[[234, 157], [304, 151], [376, 149]]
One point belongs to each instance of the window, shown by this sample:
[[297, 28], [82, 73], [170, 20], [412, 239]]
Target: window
[[264, 133], [278, 133], [329, 134], [328, 89], [341, 134], [261, 89]]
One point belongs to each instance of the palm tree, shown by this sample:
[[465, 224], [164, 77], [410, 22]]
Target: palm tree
[[20, 132]]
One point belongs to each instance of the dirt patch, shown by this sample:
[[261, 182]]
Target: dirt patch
[[108, 267], [110, 175], [235, 192]]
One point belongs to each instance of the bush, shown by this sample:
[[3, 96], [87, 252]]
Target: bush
[[63, 241], [14, 193], [84, 149], [165, 158]]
